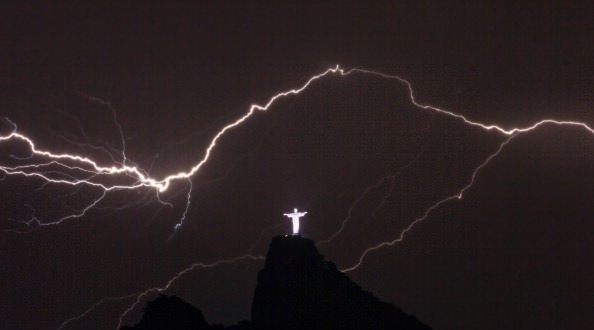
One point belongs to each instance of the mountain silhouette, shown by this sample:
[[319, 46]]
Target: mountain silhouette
[[296, 289], [166, 313]]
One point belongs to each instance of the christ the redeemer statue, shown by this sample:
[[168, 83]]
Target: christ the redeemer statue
[[295, 217]]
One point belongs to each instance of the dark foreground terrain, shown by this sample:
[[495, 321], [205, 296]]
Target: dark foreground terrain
[[297, 289]]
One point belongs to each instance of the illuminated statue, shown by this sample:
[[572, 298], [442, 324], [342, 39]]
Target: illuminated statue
[[295, 217]]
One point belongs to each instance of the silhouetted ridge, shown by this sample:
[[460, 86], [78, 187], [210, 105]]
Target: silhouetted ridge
[[170, 313], [296, 289]]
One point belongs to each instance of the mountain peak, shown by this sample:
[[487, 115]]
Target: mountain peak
[[170, 312], [293, 251], [298, 289]]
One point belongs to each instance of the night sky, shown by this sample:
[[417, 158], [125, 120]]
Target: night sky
[[515, 252]]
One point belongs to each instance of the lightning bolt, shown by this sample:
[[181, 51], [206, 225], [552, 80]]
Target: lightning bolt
[[379, 183], [458, 195], [132, 177], [136, 177], [78, 170], [510, 133], [95, 305]]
